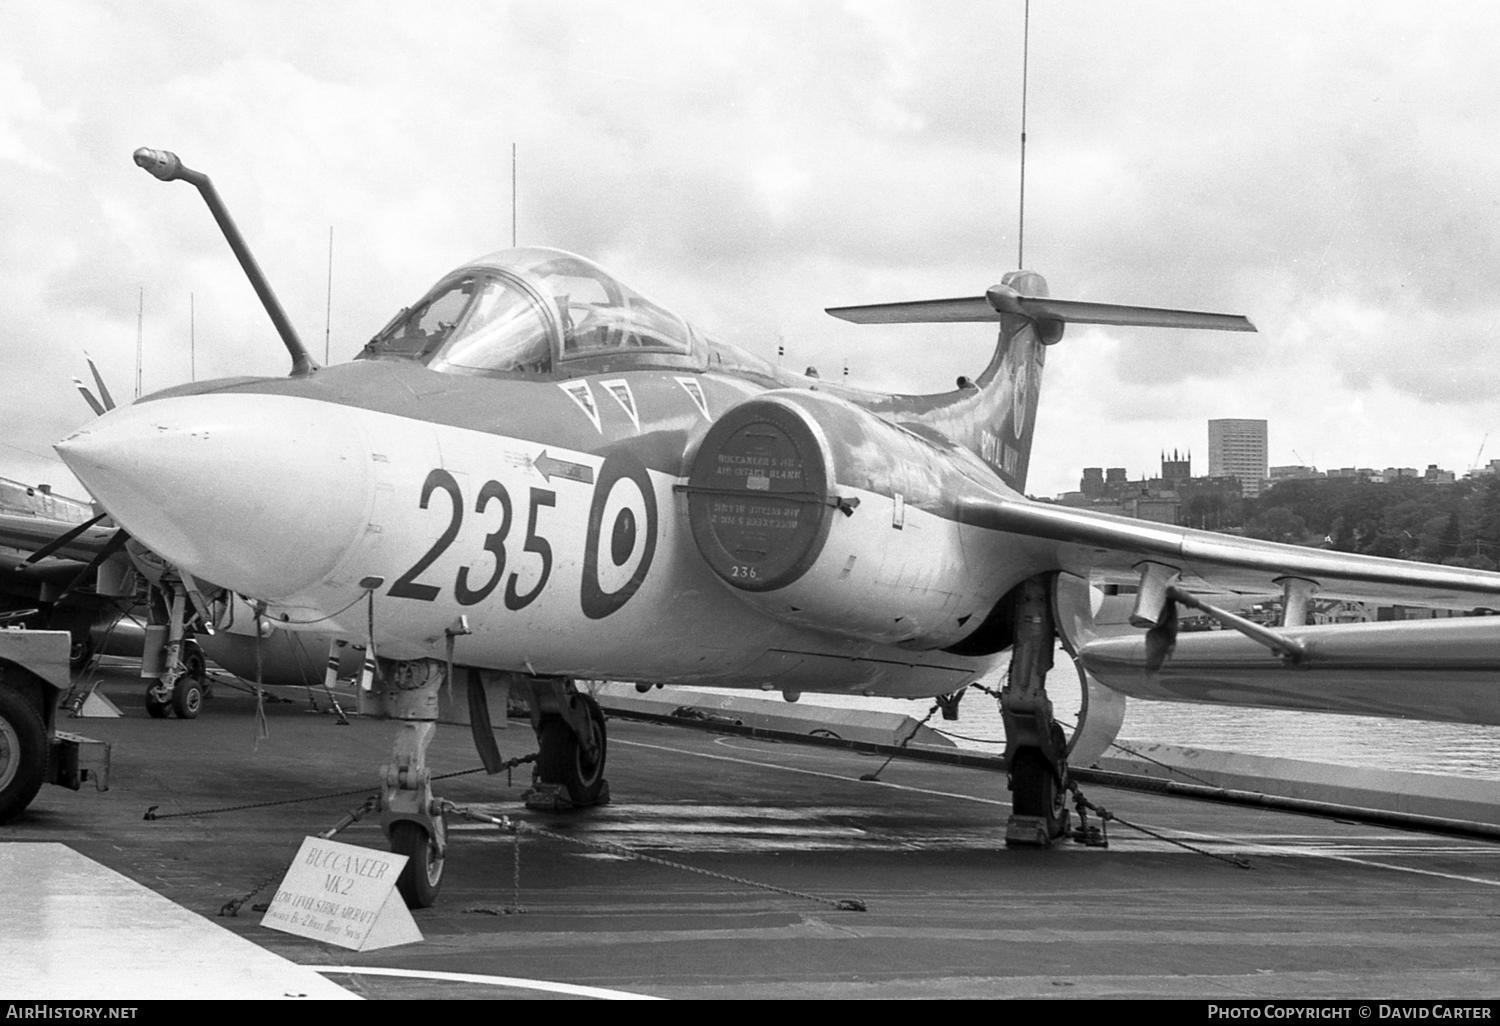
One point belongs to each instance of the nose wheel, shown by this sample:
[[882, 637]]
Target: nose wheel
[[422, 876]]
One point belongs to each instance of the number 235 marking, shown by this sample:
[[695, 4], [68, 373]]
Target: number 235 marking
[[464, 590]]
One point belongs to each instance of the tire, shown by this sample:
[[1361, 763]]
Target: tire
[[187, 697], [196, 667], [422, 876], [23, 753], [1034, 790], [157, 710], [562, 759], [81, 651], [190, 690]]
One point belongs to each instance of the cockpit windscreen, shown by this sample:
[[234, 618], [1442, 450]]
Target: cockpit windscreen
[[522, 311], [473, 323]]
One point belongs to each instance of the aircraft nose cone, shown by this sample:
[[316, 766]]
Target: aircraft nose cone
[[263, 494]]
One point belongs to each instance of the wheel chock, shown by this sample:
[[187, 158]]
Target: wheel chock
[[1032, 832], [543, 797], [98, 706], [1027, 832]]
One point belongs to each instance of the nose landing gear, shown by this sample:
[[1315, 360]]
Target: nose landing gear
[[570, 730]]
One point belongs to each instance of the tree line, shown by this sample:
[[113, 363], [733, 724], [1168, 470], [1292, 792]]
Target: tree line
[[1456, 524]]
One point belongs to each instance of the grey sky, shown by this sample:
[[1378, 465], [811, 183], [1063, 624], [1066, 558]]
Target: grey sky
[[1331, 170]]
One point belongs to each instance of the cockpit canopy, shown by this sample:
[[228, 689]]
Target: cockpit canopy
[[537, 312]]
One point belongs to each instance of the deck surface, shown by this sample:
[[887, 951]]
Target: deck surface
[[1326, 910]]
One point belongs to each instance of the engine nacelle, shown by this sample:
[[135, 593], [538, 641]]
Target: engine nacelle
[[849, 537]]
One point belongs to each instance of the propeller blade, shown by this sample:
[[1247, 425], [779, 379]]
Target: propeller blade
[[63, 539], [88, 397], [115, 544], [109, 401]]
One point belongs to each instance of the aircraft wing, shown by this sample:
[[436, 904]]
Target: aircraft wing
[[1108, 549], [29, 533], [1444, 670]]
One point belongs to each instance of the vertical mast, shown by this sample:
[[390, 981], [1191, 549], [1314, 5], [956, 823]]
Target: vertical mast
[[1025, 60]]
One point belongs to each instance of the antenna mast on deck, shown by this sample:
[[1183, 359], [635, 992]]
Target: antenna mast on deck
[[1025, 61]]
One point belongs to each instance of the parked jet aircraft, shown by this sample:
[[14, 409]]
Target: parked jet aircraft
[[535, 475], [47, 543]]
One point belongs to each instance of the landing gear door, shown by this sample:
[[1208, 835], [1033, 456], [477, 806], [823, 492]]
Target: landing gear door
[[1075, 603]]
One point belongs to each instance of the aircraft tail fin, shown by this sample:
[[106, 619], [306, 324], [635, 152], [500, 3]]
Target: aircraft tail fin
[[995, 414]]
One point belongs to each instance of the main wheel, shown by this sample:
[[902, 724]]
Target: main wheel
[[422, 875], [23, 752], [1034, 790], [562, 759]]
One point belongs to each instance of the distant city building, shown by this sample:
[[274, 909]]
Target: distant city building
[[1178, 468], [1434, 476], [1237, 448], [1175, 497], [1294, 473]]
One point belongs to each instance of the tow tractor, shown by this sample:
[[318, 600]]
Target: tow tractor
[[33, 752]]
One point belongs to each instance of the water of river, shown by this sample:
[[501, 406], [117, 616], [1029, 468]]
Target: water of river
[[1448, 748]]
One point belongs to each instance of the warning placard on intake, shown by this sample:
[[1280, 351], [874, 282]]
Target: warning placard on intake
[[343, 895]]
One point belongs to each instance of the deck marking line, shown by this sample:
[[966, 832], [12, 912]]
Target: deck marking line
[[1276, 849], [492, 981], [814, 773]]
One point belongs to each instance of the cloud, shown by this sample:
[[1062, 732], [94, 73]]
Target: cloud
[[1323, 168]]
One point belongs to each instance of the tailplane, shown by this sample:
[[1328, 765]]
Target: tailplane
[[995, 415]]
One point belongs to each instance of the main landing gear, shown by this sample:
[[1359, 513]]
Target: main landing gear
[[570, 733], [573, 743], [1035, 749]]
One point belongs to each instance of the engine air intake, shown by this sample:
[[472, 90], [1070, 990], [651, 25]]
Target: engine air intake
[[758, 496]]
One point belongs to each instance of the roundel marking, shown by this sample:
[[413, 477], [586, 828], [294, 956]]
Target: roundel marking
[[621, 538]]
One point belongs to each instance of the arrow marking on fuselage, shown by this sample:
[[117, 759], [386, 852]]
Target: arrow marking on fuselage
[[620, 389], [583, 395], [694, 388], [550, 467]]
